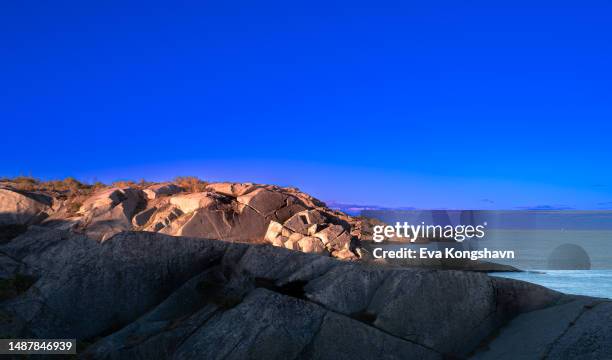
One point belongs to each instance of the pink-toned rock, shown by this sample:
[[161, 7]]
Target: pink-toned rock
[[109, 212], [291, 245], [163, 217], [231, 189], [311, 244], [302, 221], [22, 207], [157, 190], [279, 241], [274, 231], [143, 217], [295, 237], [292, 206], [330, 234], [104, 200], [286, 232], [192, 202], [221, 222], [253, 213], [344, 254], [274, 205], [312, 229]]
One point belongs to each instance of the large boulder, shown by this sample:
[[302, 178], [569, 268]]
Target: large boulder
[[191, 202], [272, 205], [109, 212], [310, 244], [222, 222], [157, 190], [306, 222], [21, 207], [334, 237]]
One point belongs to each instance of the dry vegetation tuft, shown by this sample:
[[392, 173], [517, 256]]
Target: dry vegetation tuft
[[71, 187], [190, 183], [69, 184]]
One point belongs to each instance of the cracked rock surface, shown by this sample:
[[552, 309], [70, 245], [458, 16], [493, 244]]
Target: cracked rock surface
[[238, 212], [137, 273], [142, 295]]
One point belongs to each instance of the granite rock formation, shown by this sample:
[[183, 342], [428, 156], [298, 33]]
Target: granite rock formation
[[238, 212], [141, 295]]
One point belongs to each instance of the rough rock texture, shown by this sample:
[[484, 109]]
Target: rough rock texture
[[315, 230], [155, 191], [143, 295], [224, 211], [109, 212], [577, 328], [21, 207]]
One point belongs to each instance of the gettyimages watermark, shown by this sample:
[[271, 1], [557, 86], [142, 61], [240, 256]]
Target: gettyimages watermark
[[523, 239], [403, 231], [410, 232], [433, 235]]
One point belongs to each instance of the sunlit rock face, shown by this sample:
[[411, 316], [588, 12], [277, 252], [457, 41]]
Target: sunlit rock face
[[236, 212], [22, 208], [569, 257]]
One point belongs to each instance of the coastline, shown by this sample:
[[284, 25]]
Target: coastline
[[124, 291]]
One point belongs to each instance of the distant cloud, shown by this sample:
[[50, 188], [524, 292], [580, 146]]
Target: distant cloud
[[546, 207], [488, 201]]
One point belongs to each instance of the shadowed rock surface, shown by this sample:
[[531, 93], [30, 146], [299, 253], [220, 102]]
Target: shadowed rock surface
[[147, 295], [22, 207], [580, 328]]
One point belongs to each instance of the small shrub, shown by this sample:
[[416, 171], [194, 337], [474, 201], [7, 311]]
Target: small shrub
[[141, 184], [25, 180], [69, 186], [74, 207], [27, 183], [73, 184], [124, 184], [191, 183], [98, 186]]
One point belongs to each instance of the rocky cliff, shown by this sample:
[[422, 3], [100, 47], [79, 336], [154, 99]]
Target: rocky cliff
[[252, 213]]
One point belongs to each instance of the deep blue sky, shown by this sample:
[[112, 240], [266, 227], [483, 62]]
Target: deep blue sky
[[473, 104]]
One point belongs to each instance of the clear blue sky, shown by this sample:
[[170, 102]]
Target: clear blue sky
[[459, 104]]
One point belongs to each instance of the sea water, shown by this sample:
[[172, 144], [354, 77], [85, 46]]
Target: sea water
[[597, 283]]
